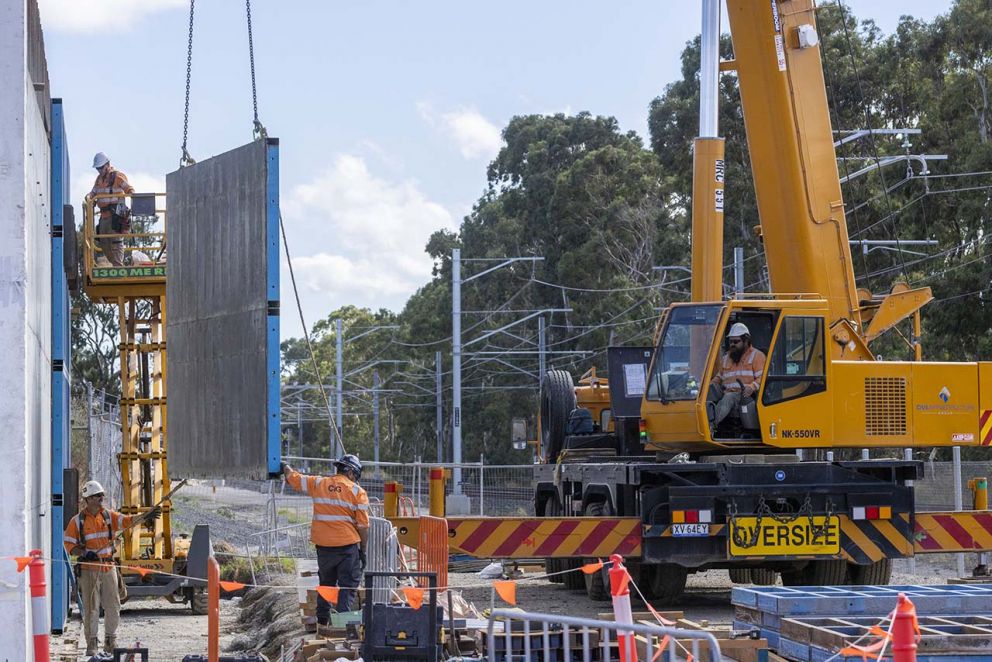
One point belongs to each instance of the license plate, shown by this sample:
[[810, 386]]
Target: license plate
[[690, 530], [785, 539]]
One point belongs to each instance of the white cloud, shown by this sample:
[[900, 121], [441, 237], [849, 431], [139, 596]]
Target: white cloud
[[89, 16], [475, 135], [359, 239]]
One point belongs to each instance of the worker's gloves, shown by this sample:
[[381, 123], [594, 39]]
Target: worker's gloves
[[153, 514], [90, 555], [361, 557], [285, 467]]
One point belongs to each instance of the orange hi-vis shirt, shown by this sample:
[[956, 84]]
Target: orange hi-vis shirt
[[340, 508], [97, 534], [109, 190], [747, 371]]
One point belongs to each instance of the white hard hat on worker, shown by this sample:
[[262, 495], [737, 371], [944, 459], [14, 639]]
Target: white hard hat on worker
[[100, 159], [738, 330], [92, 488]]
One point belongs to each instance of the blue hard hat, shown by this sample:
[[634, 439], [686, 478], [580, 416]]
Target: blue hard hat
[[350, 462]]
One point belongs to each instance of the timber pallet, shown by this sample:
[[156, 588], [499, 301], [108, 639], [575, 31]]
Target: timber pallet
[[942, 638]]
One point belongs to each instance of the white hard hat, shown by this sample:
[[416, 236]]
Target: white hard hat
[[738, 330], [92, 488], [99, 160]]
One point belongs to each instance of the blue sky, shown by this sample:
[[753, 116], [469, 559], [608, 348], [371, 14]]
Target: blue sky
[[387, 112]]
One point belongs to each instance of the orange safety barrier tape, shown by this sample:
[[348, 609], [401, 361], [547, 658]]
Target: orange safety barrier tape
[[414, 596]]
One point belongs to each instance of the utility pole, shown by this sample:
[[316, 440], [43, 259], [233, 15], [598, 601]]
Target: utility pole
[[375, 420], [339, 413], [542, 347], [738, 270], [456, 367], [439, 410]]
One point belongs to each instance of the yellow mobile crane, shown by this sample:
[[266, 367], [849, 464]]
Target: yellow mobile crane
[[137, 289], [658, 479]]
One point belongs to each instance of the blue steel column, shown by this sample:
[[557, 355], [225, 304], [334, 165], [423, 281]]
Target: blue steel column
[[274, 444], [61, 361]]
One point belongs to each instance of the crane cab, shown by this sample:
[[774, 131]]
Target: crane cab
[[818, 387], [682, 400]]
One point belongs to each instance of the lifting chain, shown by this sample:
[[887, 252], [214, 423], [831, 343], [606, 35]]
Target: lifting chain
[[743, 540], [186, 159], [259, 130]]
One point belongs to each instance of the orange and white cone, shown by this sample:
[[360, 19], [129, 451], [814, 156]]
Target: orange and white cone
[[905, 629], [619, 581], [39, 606]]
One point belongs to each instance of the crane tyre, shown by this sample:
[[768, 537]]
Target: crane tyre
[[598, 583], [763, 576], [668, 582], [573, 580], [551, 566], [740, 575], [198, 602], [557, 403], [878, 573], [818, 573]]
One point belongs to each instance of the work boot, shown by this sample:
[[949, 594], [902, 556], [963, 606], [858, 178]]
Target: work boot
[[92, 646], [109, 644]]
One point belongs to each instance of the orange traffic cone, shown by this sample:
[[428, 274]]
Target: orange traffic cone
[[905, 631]]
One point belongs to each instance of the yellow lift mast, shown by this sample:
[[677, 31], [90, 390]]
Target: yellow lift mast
[[137, 289]]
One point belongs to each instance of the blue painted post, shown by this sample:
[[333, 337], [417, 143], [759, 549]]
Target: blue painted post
[[61, 361], [274, 445]]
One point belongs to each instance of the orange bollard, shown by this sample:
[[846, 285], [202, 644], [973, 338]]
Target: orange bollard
[[980, 487], [619, 580], [39, 606], [213, 610], [391, 499], [904, 631]]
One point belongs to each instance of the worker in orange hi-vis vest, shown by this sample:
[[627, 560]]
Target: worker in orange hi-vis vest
[[90, 537], [739, 376], [108, 193], [340, 528]]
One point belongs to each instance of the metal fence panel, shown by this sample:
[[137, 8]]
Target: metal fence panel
[[222, 321]]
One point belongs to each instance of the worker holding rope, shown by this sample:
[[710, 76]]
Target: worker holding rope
[[340, 528]]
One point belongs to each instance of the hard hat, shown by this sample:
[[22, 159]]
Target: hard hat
[[99, 160], [350, 462], [738, 330], [92, 488]]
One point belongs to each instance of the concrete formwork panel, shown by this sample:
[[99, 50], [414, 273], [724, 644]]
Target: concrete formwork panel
[[25, 318], [222, 297]]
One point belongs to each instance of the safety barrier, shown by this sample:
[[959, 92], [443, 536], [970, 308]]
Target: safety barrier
[[432, 548], [558, 637], [382, 556]]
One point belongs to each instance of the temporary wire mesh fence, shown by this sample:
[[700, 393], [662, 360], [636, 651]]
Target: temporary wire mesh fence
[[518, 635], [103, 427]]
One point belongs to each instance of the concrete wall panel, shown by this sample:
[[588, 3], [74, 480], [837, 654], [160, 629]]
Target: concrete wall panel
[[222, 213]]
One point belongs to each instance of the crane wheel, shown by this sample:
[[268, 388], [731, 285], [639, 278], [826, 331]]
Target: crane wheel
[[574, 580], [763, 576], [740, 575], [198, 603], [598, 583], [667, 582], [553, 509], [557, 403], [818, 573], [878, 573]]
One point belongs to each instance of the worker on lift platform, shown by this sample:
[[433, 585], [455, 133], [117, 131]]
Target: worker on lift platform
[[739, 377], [340, 528], [108, 193], [90, 537]]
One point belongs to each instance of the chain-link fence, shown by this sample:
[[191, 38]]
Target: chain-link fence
[[937, 489], [103, 427]]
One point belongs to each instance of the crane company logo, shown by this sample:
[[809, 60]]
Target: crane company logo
[[945, 406]]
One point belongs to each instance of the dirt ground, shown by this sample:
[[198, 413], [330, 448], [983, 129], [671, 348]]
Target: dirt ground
[[170, 632]]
